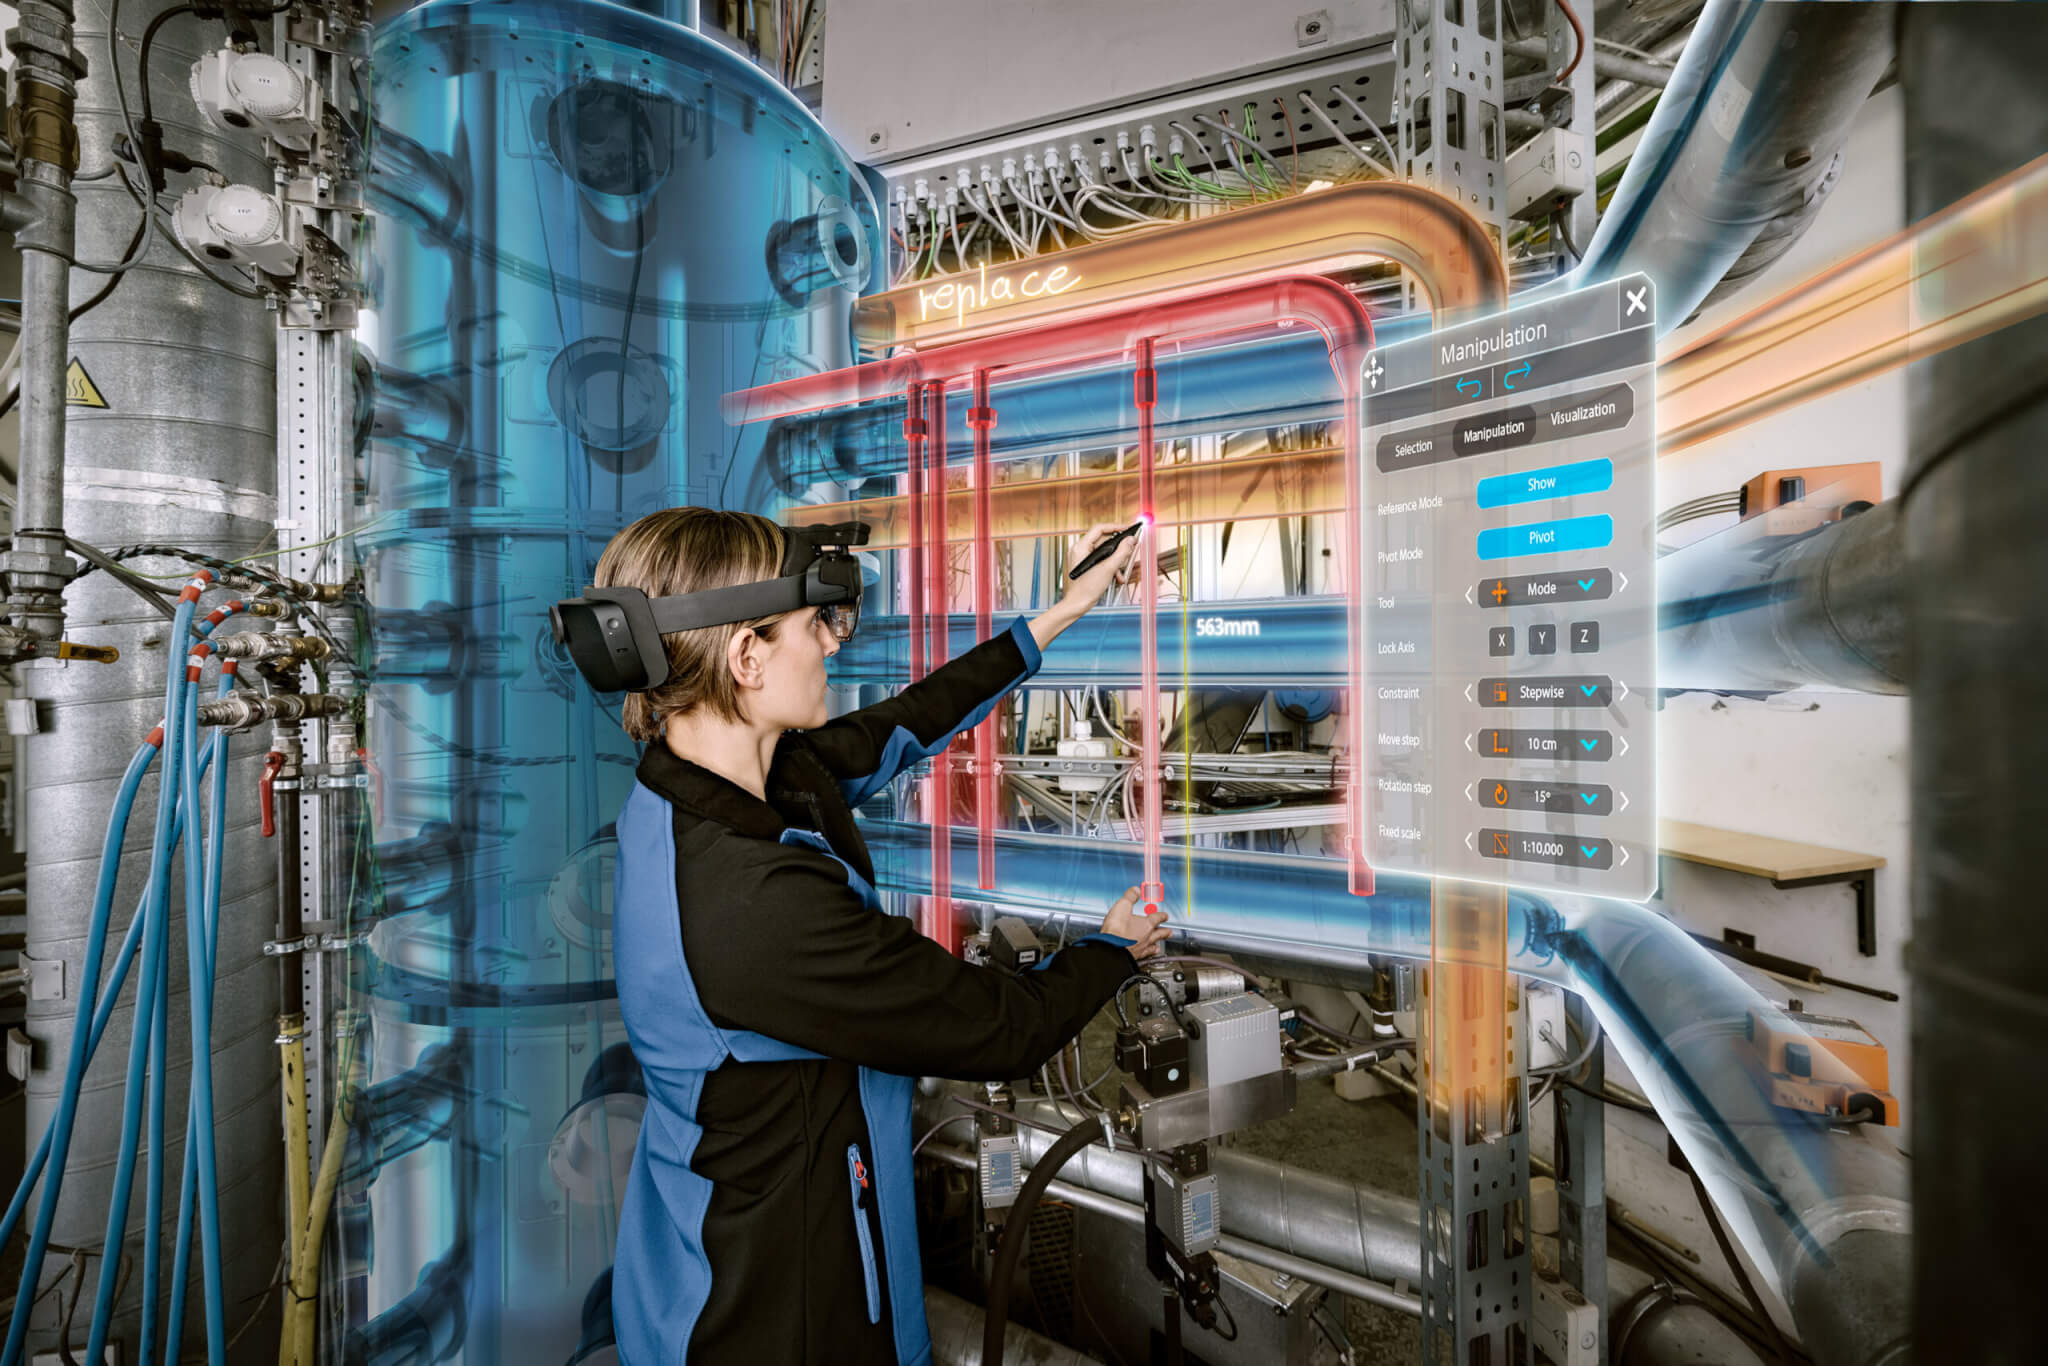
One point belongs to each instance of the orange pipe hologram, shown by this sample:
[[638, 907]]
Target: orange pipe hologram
[[1971, 269], [1342, 228], [1242, 488], [1977, 266]]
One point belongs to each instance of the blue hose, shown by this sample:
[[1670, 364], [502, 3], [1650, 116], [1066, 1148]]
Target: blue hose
[[175, 1321], [198, 962], [82, 1037], [157, 913], [103, 1012]]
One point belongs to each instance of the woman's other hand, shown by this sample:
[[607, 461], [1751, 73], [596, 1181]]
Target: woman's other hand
[[1146, 932]]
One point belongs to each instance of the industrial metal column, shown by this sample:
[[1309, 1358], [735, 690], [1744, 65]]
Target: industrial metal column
[[1976, 506]]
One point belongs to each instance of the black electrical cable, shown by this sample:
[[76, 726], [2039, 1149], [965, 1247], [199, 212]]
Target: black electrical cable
[[1564, 232], [1008, 1252], [1756, 1303], [1232, 1337], [1147, 979]]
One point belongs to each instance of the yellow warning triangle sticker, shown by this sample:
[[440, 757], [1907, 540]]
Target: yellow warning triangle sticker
[[79, 390]]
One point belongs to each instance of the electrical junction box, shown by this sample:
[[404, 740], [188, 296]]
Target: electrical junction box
[[1555, 164], [1187, 1210], [1083, 745], [1012, 946], [1565, 1326], [1000, 1170], [1233, 1039]]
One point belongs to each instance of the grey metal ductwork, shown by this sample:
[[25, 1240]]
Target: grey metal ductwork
[[1742, 148], [1665, 1326], [1316, 1218], [1824, 609], [1976, 518], [184, 454], [956, 1337]]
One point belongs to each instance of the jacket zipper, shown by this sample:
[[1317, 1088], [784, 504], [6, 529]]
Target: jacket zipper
[[863, 1214]]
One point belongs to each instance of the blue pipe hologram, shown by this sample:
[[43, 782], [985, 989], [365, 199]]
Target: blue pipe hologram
[[1789, 1182]]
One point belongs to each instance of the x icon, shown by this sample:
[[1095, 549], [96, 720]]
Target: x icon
[[1636, 302]]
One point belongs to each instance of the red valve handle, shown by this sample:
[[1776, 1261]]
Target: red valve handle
[[266, 788]]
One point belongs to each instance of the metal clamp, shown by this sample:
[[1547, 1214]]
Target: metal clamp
[[278, 948]]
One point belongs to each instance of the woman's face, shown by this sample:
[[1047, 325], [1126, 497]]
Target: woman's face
[[792, 695]]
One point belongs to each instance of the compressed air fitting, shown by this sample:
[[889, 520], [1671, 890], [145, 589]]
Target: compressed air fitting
[[240, 711], [271, 645]]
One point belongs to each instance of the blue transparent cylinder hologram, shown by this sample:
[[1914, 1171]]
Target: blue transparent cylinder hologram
[[590, 224]]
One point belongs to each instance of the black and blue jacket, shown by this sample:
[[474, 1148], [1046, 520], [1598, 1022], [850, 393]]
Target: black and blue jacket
[[779, 1016]]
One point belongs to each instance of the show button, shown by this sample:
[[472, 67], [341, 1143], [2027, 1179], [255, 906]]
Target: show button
[[1570, 851], [1554, 481], [1583, 690]]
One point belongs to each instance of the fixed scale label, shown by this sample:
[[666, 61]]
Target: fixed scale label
[[1510, 642]]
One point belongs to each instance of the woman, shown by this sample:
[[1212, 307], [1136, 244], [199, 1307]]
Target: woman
[[777, 1013]]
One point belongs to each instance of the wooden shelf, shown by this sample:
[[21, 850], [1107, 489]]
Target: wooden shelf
[[1786, 863]]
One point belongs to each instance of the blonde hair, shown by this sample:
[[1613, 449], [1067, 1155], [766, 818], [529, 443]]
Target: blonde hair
[[689, 550]]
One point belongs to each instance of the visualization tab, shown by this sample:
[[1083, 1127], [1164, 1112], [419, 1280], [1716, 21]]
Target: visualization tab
[[1510, 646]]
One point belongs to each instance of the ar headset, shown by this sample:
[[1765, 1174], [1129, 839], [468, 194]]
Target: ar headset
[[614, 634]]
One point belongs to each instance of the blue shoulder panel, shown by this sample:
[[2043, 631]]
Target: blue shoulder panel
[[904, 749]]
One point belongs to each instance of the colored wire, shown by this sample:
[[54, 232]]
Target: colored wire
[[1578, 37], [1338, 133], [1266, 166], [1341, 93]]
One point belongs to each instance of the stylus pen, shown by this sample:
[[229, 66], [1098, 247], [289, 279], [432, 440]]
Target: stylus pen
[[1104, 551]]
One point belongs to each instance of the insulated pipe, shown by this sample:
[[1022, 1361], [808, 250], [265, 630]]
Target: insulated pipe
[[1745, 611], [1744, 138], [1449, 253], [1343, 1282], [44, 221], [1323, 1219], [1791, 1188], [956, 1328], [1976, 503]]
